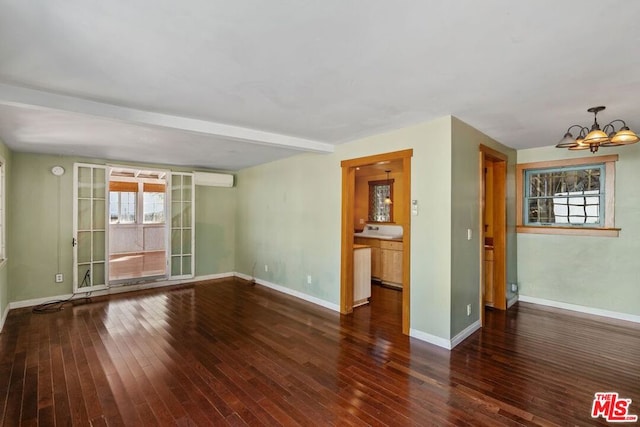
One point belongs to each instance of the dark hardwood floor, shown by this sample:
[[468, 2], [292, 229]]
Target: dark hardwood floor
[[137, 265], [227, 352]]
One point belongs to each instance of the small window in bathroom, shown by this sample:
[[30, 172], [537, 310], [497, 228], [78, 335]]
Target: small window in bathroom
[[381, 201]]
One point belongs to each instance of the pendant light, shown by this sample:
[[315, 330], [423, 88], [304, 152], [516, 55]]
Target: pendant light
[[387, 200]]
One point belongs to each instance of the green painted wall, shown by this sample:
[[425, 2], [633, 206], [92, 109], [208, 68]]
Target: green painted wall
[[597, 272], [289, 218], [4, 267], [215, 230], [465, 197], [41, 226]]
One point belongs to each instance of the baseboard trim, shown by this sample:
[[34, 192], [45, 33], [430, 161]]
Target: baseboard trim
[[443, 342], [214, 276], [581, 309], [465, 333], [292, 292], [431, 339], [512, 301], [4, 317], [118, 289]]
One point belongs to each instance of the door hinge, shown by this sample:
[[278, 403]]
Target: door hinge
[[73, 242]]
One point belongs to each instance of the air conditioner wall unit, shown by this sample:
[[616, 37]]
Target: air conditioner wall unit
[[210, 179]]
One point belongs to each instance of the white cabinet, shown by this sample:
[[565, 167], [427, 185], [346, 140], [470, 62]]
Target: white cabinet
[[361, 274]]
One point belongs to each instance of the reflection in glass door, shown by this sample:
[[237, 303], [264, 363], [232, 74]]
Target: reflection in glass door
[[89, 227]]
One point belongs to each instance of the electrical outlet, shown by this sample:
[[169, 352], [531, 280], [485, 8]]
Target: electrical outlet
[[266, 268], [308, 280], [468, 309], [59, 278], [514, 287]]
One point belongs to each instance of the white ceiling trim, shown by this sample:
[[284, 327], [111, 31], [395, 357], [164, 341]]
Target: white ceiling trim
[[23, 97]]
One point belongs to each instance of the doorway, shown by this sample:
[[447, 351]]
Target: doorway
[[403, 194], [493, 227], [138, 233], [165, 234]]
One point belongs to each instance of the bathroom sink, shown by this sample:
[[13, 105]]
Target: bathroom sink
[[377, 236], [381, 231]]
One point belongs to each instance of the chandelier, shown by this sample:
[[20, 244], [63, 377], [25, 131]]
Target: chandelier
[[595, 138]]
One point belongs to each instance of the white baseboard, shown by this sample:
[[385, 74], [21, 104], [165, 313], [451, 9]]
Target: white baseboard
[[292, 292], [512, 301], [465, 333], [118, 289], [443, 342], [431, 339], [213, 277], [4, 317], [581, 309], [243, 276]]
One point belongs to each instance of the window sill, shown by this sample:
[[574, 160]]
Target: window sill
[[570, 231]]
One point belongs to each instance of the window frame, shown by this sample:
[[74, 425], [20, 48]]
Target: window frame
[[164, 208], [607, 228], [372, 208], [120, 205]]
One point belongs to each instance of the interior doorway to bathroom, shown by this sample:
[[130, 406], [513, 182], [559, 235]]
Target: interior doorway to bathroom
[[351, 224]]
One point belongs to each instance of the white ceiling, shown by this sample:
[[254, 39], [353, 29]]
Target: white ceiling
[[230, 84]]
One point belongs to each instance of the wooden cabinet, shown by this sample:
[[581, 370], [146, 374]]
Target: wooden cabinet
[[376, 270], [391, 259], [386, 259], [488, 276]]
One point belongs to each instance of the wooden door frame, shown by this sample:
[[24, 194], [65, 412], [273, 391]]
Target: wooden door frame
[[348, 226], [499, 161]]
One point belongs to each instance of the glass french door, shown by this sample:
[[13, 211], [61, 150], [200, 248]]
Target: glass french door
[[89, 227], [182, 226]]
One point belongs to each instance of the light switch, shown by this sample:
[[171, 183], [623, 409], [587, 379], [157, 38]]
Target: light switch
[[414, 207], [469, 234]]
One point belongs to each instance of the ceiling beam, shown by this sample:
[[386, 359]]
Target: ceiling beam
[[31, 98]]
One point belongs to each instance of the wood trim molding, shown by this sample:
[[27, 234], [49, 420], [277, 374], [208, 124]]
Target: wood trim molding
[[493, 153], [369, 160], [499, 220], [570, 231], [482, 221], [500, 238], [609, 230], [406, 245], [346, 270], [568, 162], [610, 189], [346, 258]]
